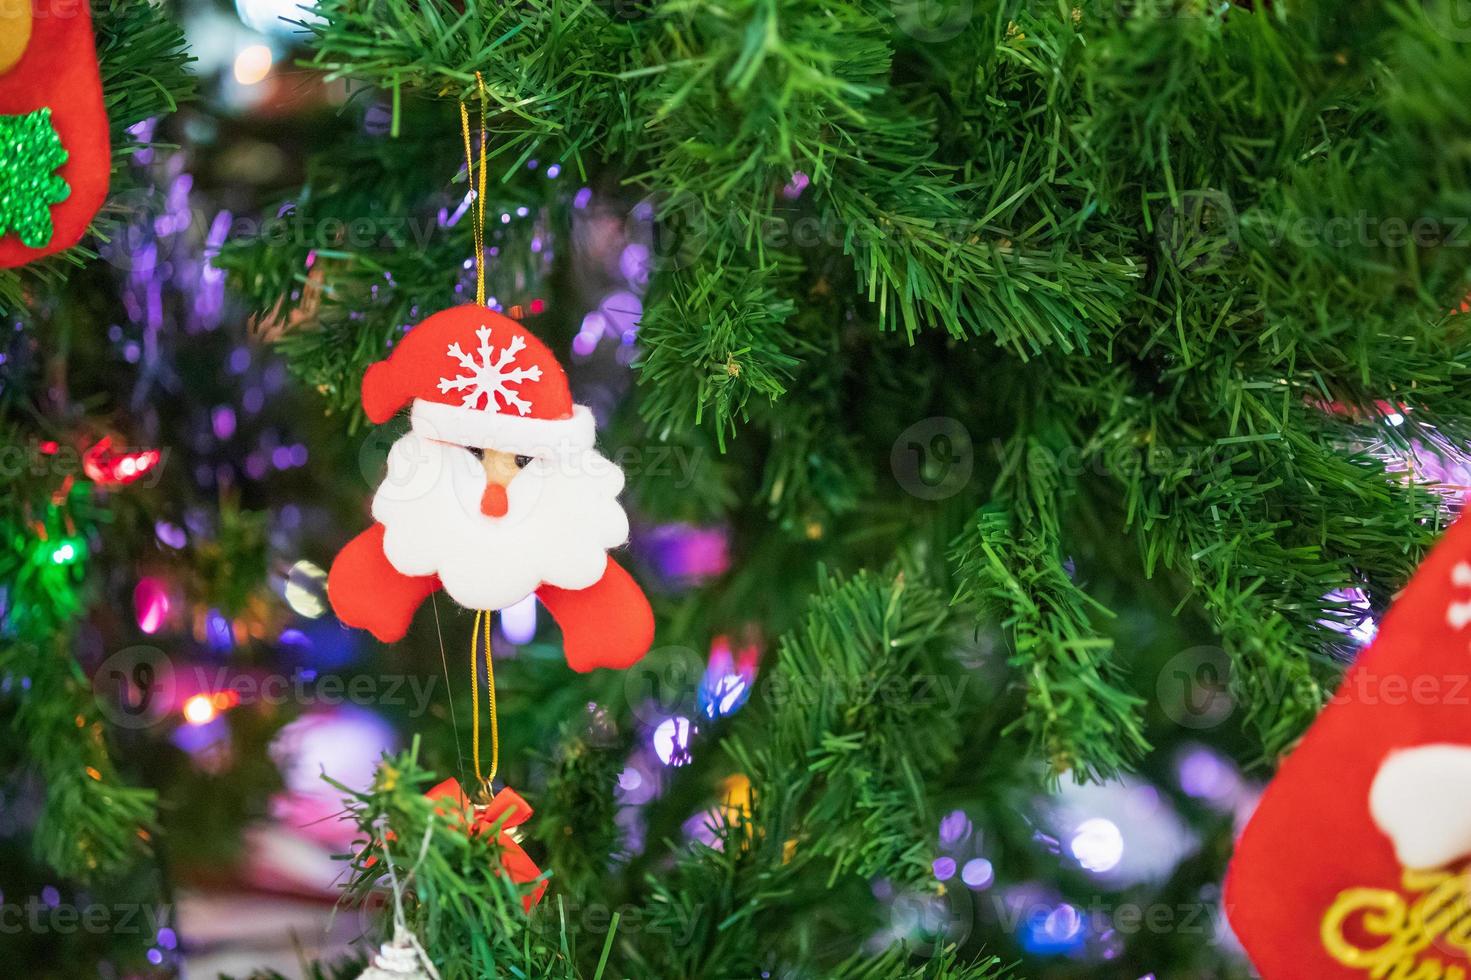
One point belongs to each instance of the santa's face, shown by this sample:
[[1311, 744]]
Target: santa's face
[[494, 524]]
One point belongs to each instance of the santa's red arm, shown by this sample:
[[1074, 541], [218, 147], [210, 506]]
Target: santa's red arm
[[369, 593], [608, 624]]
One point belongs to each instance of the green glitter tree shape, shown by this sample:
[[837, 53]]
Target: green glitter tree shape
[[29, 184]]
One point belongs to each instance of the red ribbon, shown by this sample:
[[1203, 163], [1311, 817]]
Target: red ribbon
[[505, 810]]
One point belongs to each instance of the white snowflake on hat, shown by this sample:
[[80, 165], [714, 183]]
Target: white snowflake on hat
[[496, 492], [489, 379]]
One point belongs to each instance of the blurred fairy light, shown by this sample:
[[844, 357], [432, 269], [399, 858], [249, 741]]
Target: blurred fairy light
[[1053, 930], [687, 555], [672, 740], [1126, 830], [217, 631], [1098, 845], [518, 622], [1423, 454], [253, 64], [621, 311], [724, 695], [201, 709], [150, 604], [955, 828], [107, 468], [344, 742], [639, 782], [66, 552], [920, 918], [1349, 614], [978, 873], [170, 535], [726, 684], [304, 590], [1064, 922], [1204, 774], [275, 16]]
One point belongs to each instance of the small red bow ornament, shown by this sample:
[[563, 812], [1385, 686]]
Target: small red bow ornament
[[505, 810]]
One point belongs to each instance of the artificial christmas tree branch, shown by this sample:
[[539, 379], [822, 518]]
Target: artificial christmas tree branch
[[1083, 189]]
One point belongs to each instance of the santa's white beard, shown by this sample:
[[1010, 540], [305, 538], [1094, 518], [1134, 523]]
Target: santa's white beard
[[562, 517]]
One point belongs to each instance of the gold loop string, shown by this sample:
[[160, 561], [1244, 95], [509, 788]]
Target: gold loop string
[[482, 623], [477, 181], [481, 629]]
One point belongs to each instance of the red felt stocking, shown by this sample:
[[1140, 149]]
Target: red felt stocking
[[608, 624], [55, 151], [1354, 864], [369, 593]]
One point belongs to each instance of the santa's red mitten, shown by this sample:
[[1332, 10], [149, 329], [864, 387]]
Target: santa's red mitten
[[608, 624], [369, 593], [55, 150], [1355, 863]]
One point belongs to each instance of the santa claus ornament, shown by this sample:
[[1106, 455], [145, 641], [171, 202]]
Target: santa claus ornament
[[55, 154], [495, 493], [1357, 862]]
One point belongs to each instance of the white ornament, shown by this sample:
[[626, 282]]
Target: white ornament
[[1421, 800], [396, 960], [489, 377], [404, 958]]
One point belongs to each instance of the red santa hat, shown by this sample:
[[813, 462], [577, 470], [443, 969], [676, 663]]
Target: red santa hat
[[480, 379]]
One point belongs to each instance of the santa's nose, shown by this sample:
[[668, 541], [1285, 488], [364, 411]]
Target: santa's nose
[[500, 469], [493, 501]]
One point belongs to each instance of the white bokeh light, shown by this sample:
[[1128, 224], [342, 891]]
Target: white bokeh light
[[274, 16], [253, 64], [672, 740], [305, 590], [518, 621], [1097, 844]]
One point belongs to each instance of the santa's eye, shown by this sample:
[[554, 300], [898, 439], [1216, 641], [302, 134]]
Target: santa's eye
[[476, 451], [522, 462]]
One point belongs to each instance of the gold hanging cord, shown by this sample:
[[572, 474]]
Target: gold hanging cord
[[477, 208], [482, 627], [482, 616]]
